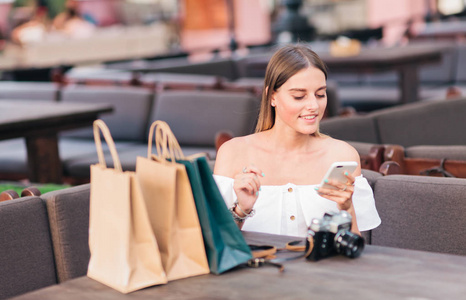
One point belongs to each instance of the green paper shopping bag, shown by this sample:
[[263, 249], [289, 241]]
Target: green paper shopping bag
[[224, 244]]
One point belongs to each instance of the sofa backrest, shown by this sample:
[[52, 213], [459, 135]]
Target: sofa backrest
[[460, 75], [68, 211], [421, 213], [26, 254], [195, 117], [425, 123], [97, 75], [23, 90], [223, 67], [131, 106], [360, 128]]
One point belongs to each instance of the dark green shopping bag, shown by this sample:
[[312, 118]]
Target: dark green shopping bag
[[223, 241]]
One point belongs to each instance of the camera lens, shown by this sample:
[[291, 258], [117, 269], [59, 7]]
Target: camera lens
[[349, 244]]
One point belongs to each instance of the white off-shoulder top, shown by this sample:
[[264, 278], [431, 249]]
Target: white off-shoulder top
[[289, 209]]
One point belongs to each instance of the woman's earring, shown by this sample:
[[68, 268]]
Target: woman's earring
[[273, 104]]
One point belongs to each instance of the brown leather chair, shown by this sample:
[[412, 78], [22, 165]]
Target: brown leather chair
[[440, 161]]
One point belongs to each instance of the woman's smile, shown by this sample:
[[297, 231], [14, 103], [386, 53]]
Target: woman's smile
[[310, 118]]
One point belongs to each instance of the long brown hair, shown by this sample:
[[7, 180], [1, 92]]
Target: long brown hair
[[286, 62]]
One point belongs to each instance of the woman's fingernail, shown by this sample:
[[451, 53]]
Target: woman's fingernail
[[316, 188], [257, 193], [263, 175], [346, 173], [260, 189], [326, 180]]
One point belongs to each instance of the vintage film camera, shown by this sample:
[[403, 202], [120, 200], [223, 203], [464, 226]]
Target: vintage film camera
[[331, 235]]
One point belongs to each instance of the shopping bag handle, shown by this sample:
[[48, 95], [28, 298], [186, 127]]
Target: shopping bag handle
[[166, 144], [100, 125]]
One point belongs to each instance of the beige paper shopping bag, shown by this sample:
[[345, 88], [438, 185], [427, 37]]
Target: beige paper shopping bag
[[124, 251], [172, 211]]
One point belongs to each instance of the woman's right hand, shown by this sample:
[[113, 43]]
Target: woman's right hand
[[247, 186]]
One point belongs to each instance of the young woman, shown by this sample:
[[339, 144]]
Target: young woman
[[269, 179]]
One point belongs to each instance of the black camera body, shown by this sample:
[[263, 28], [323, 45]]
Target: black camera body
[[331, 236]]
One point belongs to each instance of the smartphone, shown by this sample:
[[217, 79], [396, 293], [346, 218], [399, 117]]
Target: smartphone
[[337, 172]]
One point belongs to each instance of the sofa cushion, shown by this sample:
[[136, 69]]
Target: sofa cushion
[[29, 90], [82, 153], [13, 157], [359, 128], [79, 167], [13, 154], [421, 213], [26, 258], [131, 106], [425, 123], [68, 211], [195, 117]]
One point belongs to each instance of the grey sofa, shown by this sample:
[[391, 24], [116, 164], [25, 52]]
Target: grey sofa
[[428, 126], [44, 240], [27, 258], [421, 213], [196, 116], [422, 123]]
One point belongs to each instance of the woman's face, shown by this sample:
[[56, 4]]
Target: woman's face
[[301, 101]]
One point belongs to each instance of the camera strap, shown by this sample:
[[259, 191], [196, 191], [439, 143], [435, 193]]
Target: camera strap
[[265, 254], [263, 251]]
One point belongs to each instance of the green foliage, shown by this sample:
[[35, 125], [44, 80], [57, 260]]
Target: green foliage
[[43, 188]]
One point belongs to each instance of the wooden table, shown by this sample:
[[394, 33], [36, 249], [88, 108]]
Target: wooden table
[[40, 122], [405, 60], [380, 273]]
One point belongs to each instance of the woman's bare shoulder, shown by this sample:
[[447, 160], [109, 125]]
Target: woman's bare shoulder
[[232, 154], [341, 150], [234, 144]]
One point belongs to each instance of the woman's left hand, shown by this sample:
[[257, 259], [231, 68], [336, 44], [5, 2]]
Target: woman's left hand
[[341, 193]]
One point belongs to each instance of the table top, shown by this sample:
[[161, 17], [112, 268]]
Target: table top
[[18, 117], [378, 58], [380, 273], [387, 58], [111, 43]]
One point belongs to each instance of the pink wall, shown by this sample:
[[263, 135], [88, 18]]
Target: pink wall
[[252, 22], [394, 15], [4, 11]]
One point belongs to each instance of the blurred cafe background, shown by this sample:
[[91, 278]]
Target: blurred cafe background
[[396, 92], [134, 55]]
